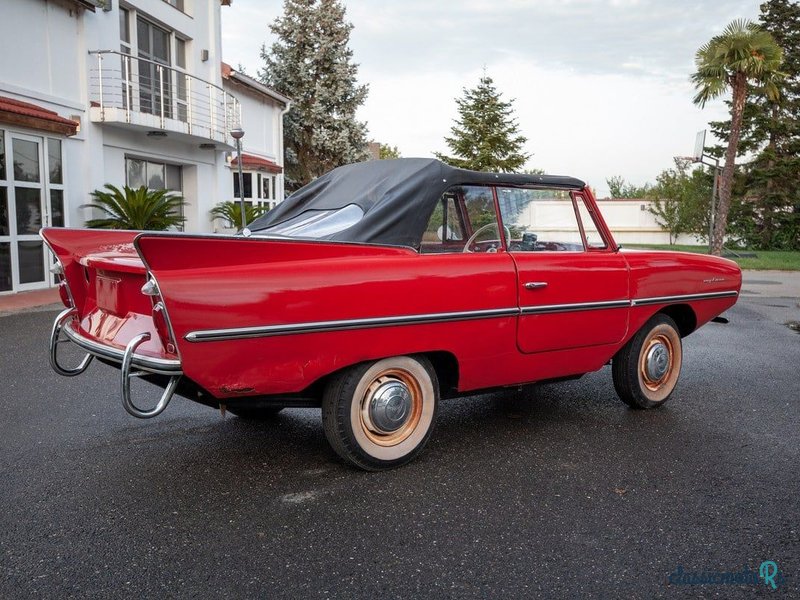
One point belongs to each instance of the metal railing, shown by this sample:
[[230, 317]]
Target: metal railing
[[131, 85]]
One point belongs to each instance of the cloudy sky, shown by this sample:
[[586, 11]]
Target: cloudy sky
[[601, 87]]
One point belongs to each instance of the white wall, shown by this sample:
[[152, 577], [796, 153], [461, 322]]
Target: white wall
[[42, 50], [258, 122], [631, 222], [261, 121], [628, 221]]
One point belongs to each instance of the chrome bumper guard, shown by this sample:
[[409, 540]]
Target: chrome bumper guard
[[128, 359]]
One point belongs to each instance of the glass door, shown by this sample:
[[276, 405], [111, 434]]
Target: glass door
[[22, 213], [6, 279]]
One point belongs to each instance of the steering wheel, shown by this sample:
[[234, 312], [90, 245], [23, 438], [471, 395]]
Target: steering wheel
[[480, 230]]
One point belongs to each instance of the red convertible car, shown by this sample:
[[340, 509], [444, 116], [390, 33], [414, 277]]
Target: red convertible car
[[379, 289]]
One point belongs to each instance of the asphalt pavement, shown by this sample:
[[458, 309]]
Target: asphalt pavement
[[555, 491]]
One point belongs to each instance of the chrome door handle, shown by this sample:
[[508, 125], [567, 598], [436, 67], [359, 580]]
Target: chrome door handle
[[535, 285]]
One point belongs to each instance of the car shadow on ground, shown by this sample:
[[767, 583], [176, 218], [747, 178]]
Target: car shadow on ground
[[519, 422]]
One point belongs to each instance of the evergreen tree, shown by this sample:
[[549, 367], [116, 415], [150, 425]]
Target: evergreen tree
[[311, 63], [770, 182], [486, 136]]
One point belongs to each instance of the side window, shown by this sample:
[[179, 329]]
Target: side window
[[445, 230], [464, 220], [593, 238], [539, 220]]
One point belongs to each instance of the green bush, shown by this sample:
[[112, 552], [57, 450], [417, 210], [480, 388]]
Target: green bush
[[140, 209], [231, 213]]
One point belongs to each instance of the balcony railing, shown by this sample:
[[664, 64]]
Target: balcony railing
[[146, 93]]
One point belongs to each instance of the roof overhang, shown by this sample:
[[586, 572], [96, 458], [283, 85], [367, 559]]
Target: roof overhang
[[240, 79], [257, 163], [25, 114]]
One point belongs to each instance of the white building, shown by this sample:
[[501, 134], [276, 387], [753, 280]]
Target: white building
[[127, 93]]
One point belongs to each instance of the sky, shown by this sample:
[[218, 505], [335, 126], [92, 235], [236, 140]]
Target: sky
[[600, 87]]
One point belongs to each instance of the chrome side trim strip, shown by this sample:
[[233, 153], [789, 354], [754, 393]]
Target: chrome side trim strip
[[578, 306], [684, 297], [239, 333], [323, 326], [159, 366]]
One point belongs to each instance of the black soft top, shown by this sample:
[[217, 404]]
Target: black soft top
[[396, 196]]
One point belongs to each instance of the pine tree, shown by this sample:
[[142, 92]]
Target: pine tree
[[311, 62], [486, 136], [771, 131]]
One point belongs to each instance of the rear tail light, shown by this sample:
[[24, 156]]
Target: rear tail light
[[160, 321], [57, 269], [63, 293], [162, 327]]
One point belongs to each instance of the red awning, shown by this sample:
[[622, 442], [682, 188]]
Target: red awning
[[25, 114], [256, 163]]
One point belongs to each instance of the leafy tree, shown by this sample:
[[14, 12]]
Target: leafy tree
[[311, 62], [743, 59], [231, 213], [388, 152], [681, 200], [619, 188], [140, 209], [771, 131], [486, 136]]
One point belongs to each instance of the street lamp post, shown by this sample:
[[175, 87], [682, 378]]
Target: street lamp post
[[237, 133]]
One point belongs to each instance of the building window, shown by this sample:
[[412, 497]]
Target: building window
[[268, 188], [181, 86], [247, 179], [55, 169], [154, 175], [154, 82], [179, 4], [157, 82], [125, 30]]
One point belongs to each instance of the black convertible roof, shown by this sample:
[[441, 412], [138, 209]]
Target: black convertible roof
[[397, 197]]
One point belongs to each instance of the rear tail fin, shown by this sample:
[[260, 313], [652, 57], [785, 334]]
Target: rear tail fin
[[74, 249]]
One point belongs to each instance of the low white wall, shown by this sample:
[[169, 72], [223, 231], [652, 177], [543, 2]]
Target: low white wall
[[630, 221]]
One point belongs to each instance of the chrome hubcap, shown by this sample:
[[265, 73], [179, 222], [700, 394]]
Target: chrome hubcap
[[390, 406], [657, 361]]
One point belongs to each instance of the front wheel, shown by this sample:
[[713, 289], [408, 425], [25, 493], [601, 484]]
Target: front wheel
[[647, 368], [380, 415]]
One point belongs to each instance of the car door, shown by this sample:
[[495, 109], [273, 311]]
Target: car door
[[572, 285]]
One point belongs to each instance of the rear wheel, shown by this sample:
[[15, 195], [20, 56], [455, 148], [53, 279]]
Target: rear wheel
[[647, 368], [380, 415]]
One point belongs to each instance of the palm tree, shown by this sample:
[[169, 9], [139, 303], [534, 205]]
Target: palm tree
[[129, 208], [231, 213], [743, 58]]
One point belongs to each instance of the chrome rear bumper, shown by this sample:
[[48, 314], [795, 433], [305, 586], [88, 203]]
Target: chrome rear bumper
[[128, 360], [159, 366]]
